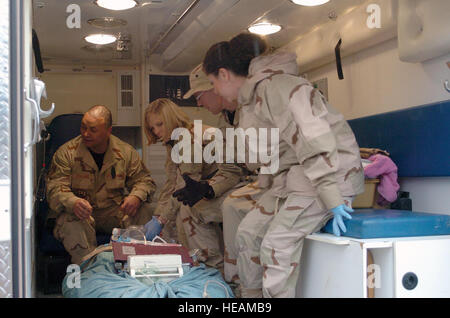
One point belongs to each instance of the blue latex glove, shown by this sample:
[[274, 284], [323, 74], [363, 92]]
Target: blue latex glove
[[152, 228], [123, 240], [338, 223]]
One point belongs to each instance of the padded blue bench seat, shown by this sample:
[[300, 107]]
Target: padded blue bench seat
[[371, 223]]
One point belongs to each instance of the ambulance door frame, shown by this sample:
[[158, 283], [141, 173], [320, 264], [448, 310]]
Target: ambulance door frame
[[21, 249]]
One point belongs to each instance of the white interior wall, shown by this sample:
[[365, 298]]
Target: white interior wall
[[428, 194], [376, 81], [76, 92]]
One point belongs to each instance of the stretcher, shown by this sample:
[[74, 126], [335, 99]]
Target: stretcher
[[100, 279]]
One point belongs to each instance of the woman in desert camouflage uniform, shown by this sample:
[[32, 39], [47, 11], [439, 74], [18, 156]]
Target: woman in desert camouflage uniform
[[319, 171], [200, 186]]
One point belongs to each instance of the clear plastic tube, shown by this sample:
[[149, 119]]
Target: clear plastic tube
[[205, 293]]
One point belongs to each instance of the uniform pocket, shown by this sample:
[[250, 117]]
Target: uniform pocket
[[115, 177], [82, 185], [82, 181], [115, 183], [295, 208]]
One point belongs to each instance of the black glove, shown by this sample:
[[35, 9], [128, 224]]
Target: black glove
[[193, 191]]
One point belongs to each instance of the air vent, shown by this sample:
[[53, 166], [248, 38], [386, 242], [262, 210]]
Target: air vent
[[128, 98], [126, 82], [126, 90]]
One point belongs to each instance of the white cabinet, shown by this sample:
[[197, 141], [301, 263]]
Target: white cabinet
[[128, 104], [425, 263], [387, 267]]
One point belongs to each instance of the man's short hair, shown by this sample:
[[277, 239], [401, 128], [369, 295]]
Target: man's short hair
[[102, 112]]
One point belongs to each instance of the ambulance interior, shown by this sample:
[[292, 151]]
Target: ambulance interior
[[395, 62]]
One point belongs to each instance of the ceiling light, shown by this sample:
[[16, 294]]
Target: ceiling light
[[100, 39], [310, 3], [264, 28], [116, 4]]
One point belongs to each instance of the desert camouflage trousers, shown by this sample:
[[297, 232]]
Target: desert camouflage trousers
[[78, 236], [270, 240], [235, 207]]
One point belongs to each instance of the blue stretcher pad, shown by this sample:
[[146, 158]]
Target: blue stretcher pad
[[100, 280], [370, 223]]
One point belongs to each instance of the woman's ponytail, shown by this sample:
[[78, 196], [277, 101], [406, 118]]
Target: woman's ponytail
[[234, 55]]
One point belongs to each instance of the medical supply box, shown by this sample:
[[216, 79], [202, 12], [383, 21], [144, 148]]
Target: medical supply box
[[367, 198]]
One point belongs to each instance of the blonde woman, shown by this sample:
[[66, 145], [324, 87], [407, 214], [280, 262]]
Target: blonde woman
[[201, 187]]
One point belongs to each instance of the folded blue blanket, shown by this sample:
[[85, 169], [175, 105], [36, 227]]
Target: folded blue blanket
[[100, 280]]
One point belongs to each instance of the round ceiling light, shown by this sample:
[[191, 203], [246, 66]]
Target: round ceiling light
[[116, 4], [100, 39], [264, 28], [310, 3]]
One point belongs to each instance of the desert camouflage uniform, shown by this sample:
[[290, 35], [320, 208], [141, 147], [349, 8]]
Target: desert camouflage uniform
[[234, 208], [200, 222], [74, 174], [319, 169]]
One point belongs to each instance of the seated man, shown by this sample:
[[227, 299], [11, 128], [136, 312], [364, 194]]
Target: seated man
[[242, 200], [87, 182]]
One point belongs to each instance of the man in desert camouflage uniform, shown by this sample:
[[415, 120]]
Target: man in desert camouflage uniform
[[203, 91], [238, 202], [87, 184]]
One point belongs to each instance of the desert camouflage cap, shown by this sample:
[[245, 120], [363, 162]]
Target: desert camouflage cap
[[198, 82]]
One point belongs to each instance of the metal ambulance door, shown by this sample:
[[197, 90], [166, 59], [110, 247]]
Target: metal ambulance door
[[19, 116], [5, 166]]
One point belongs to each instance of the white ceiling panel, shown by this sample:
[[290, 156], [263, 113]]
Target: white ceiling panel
[[159, 31]]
